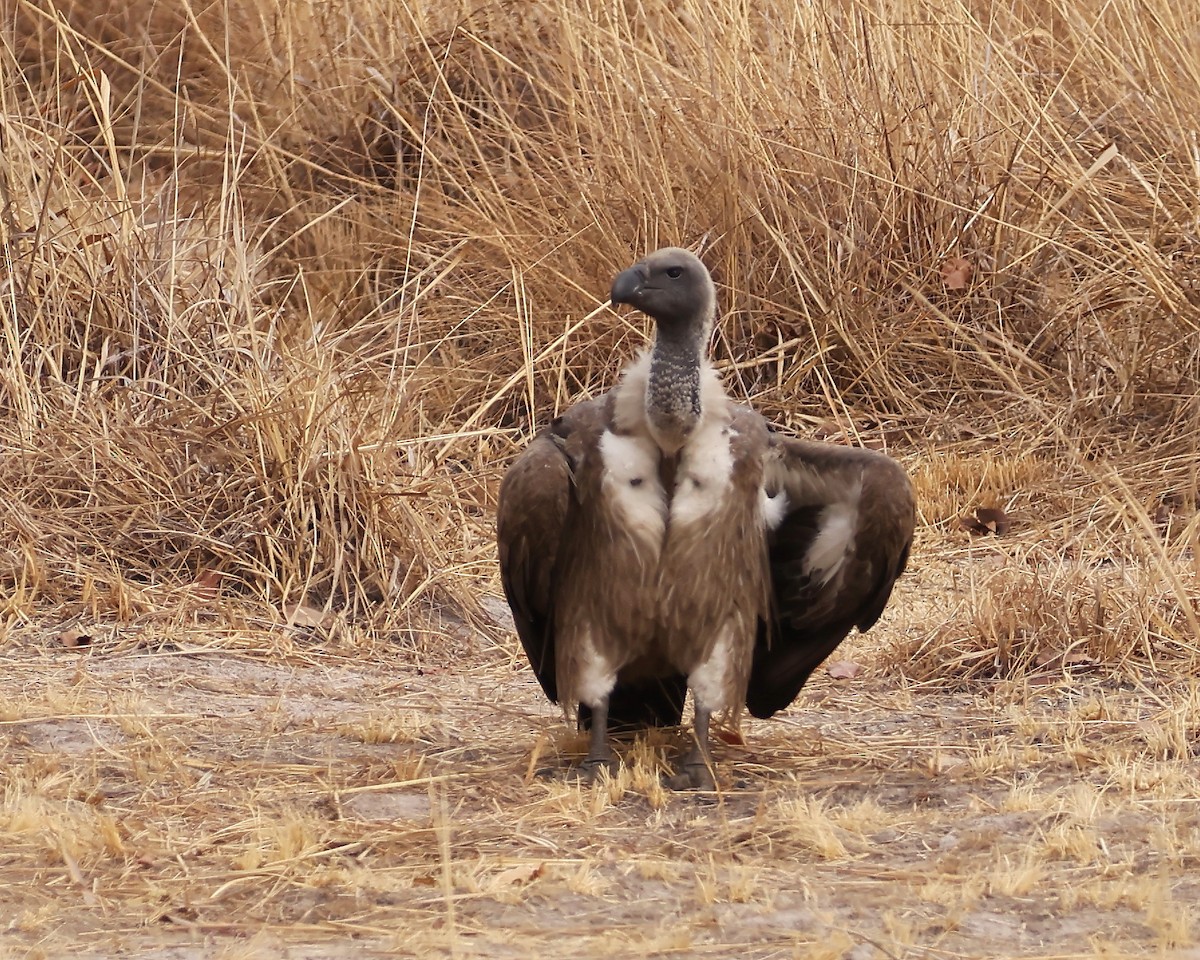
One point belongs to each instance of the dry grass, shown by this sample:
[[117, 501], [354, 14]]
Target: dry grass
[[167, 803], [286, 286]]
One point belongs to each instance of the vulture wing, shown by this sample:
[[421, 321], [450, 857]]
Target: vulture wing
[[535, 498], [540, 505], [843, 540]]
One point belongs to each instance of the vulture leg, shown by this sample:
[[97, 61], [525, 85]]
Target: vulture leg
[[696, 771], [598, 754]]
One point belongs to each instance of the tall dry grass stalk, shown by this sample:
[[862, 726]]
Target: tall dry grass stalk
[[286, 284]]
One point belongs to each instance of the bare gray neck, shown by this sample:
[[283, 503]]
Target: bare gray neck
[[673, 388]]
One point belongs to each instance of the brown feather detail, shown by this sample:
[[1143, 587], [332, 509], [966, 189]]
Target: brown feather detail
[[713, 579], [606, 583], [531, 519]]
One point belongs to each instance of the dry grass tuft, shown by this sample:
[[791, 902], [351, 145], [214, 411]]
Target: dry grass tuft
[[284, 289]]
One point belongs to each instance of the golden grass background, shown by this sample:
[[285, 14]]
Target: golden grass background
[[286, 285]]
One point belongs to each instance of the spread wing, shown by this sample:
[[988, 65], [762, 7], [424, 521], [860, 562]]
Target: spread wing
[[843, 539]]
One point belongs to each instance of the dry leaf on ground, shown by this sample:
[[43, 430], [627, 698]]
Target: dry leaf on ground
[[844, 669], [986, 520], [75, 638], [521, 875], [303, 616], [207, 585]]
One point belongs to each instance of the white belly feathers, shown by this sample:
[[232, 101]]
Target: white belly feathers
[[705, 469], [632, 486]]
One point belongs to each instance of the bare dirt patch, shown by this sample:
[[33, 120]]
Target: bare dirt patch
[[204, 802]]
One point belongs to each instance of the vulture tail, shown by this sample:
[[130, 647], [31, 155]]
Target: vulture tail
[[646, 703]]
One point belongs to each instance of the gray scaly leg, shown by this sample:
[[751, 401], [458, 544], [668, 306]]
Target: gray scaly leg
[[696, 771], [598, 754]]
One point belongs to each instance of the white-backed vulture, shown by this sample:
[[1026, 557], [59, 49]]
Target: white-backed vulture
[[661, 538]]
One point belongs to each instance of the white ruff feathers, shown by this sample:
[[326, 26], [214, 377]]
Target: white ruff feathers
[[705, 470], [631, 485], [596, 676]]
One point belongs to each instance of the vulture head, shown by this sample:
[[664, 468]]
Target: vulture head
[[674, 288]]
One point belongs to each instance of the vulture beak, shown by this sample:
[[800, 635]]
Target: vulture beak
[[628, 285]]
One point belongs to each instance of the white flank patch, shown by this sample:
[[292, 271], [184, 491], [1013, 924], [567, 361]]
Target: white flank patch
[[709, 681], [596, 677], [702, 481], [631, 485], [834, 537], [772, 508]]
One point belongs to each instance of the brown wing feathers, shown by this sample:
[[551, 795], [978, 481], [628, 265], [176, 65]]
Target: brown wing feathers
[[812, 617], [534, 499]]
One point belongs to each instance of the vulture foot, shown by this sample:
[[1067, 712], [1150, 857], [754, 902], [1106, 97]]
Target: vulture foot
[[692, 775], [589, 769]]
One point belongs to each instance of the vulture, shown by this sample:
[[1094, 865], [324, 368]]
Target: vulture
[[662, 538]]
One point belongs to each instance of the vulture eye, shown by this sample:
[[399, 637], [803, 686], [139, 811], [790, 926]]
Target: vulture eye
[[674, 272]]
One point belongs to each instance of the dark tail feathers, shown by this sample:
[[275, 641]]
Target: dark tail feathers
[[647, 703]]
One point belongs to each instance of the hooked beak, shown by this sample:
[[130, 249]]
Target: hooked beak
[[627, 285]]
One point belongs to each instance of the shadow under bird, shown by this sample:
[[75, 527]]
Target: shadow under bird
[[662, 538]]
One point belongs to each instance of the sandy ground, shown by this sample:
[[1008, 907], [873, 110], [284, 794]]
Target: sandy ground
[[284, 799]]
